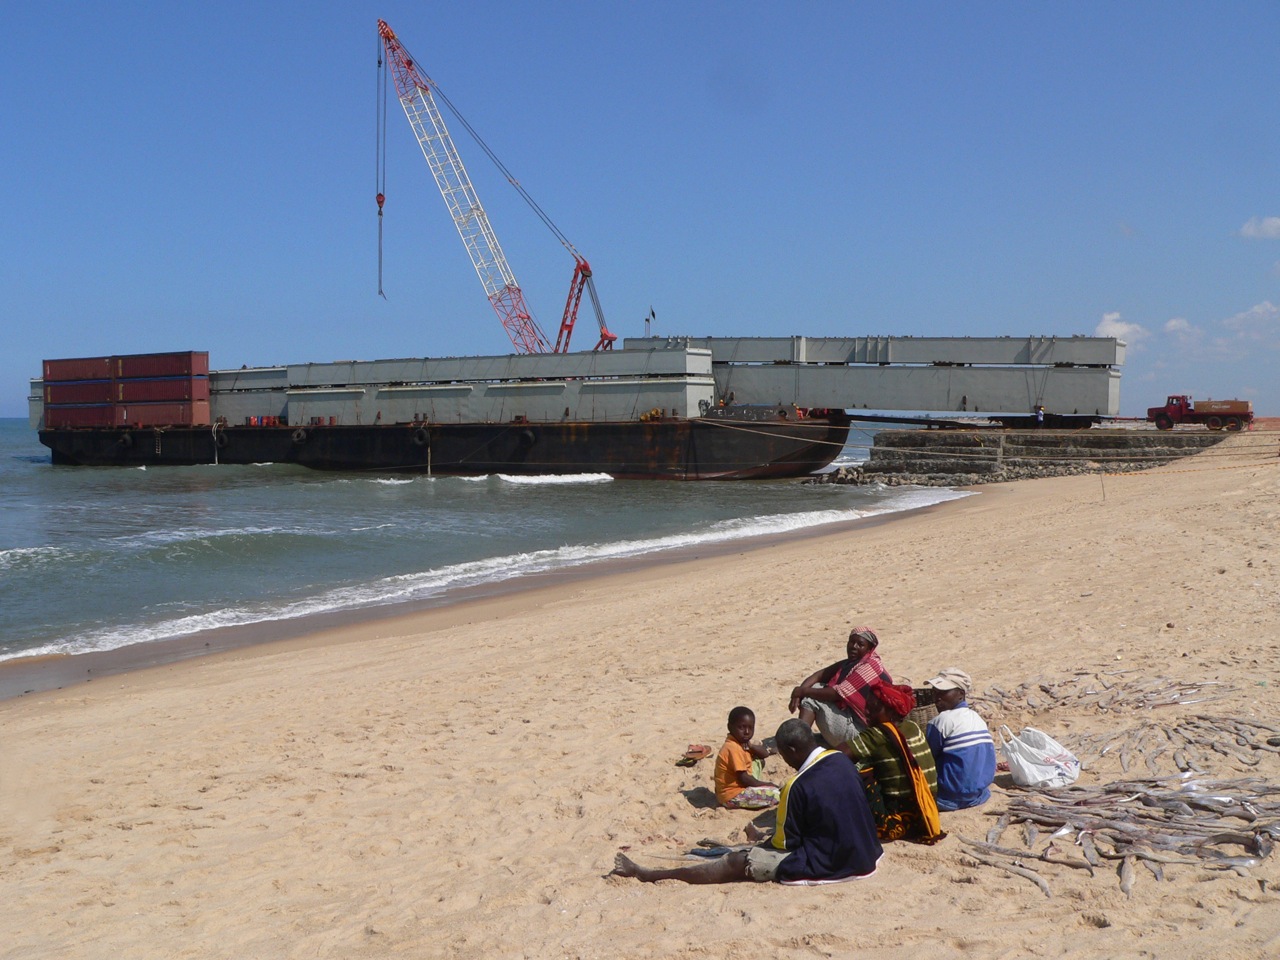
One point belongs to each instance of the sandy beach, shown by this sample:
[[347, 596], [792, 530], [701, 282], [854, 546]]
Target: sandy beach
[[455, 783]]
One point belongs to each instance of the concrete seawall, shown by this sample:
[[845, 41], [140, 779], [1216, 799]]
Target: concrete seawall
[[966, 457]]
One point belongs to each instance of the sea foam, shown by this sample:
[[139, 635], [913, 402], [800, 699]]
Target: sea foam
[[437, 583]]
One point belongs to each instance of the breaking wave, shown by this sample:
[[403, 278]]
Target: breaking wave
[[437, 584]]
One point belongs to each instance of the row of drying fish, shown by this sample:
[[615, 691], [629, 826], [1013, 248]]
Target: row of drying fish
[[1212, 824], [1107, 692], [1197, 743]]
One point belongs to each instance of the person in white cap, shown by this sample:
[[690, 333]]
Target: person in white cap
[[961, 744]]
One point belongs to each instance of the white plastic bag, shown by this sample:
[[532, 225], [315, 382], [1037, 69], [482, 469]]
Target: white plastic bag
[[1037, 760]]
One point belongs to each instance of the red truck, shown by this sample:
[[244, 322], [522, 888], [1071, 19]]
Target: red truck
[[1214, 414]]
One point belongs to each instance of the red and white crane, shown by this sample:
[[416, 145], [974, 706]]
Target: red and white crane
[[417, 94]]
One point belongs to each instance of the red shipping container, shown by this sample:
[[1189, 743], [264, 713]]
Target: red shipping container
[[78, 391], [163, 389], [188, 364], [162, 414], [95, 415], [82, 368]]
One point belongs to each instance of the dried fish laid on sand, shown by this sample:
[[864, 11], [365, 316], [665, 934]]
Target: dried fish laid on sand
[[1207, 823], [1195, 743], [1105, 691]]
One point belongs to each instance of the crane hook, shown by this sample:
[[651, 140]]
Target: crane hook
[[380, 199]]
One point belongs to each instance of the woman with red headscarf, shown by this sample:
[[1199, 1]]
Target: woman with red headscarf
[[897, 767], [834, 697]]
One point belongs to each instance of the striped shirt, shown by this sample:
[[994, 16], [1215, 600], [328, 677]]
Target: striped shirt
[[966, 757], [873, 746]]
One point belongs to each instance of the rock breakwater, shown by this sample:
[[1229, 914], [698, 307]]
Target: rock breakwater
[[952, 458]]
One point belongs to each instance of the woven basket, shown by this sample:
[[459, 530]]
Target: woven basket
[[925, 709]]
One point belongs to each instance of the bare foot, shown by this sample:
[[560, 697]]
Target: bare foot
[[623, 866]]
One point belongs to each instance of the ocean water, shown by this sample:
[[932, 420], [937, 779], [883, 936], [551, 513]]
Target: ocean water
[[96, 558]]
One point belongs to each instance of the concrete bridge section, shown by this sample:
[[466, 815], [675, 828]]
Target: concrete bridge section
[[683, 376], [1073, 375]]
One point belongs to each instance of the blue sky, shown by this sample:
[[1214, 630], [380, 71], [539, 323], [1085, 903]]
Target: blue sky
[[202, 176]]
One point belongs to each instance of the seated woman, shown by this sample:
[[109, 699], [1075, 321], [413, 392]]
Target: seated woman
[[835, 695], [897, 768]]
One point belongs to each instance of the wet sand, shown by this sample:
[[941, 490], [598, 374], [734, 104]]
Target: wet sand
[[456, 782]]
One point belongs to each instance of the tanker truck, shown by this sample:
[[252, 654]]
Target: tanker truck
[[1214, 414]]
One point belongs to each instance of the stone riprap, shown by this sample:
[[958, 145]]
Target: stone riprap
[[952, 458]]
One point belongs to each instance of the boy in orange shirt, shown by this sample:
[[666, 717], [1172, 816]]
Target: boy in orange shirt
[[740, 766]]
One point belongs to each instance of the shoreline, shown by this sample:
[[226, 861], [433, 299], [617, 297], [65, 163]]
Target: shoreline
[[23, 676]]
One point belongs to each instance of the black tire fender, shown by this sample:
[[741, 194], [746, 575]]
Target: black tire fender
[[220, 438], [299, 436], [421, 437], [125, 440]]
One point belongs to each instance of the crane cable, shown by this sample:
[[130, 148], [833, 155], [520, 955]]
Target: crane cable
[[533, 204], [435, 91], [380, 155]]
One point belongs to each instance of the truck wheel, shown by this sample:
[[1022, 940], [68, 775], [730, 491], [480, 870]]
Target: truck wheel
[[1214, 423], [1233, 423], [1163, 422]]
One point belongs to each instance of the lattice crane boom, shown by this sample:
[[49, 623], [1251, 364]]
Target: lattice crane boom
[[413, 89]]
